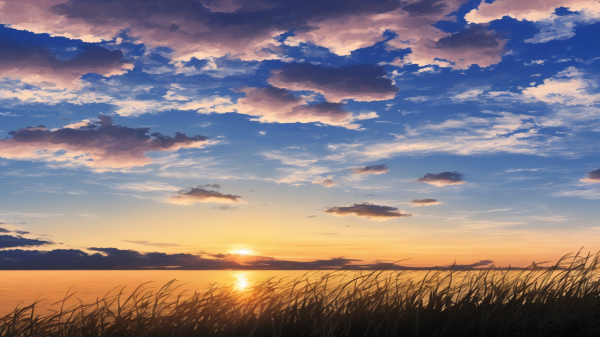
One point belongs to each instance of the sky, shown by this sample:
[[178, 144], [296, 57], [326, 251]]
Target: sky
[[246, 134]]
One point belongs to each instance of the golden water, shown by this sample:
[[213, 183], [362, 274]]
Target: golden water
[[20, 288]]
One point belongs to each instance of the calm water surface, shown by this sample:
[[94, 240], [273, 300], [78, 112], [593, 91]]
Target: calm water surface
[[20, 288]]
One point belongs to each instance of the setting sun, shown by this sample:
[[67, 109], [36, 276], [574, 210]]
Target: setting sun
[[243, 251]]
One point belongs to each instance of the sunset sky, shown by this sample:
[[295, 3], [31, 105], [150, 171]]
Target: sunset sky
[[297, 134]]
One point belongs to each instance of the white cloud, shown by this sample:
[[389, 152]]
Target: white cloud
[[568, 87]]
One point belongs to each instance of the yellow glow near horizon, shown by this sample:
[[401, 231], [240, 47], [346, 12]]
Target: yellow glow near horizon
[[243, 251]]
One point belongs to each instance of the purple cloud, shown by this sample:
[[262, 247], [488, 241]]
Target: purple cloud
[[198, 194], [37, 65], [362, 82], [368, 210], [98, 145], [373, 169], [442, 179]]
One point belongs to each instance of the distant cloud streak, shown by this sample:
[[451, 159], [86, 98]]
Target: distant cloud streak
[[199, 194], [368, 210], [442, 179], [8, 241], [373, 169], [424, 202]]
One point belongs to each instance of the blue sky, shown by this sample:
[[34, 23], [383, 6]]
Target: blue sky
[[438, 130]]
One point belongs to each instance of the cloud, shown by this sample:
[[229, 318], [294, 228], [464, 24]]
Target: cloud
[[362, 82], [37, 65], [275, 105], [592, 177], [190, 29], [368, 210], [373, 169], [552, 26], [529, 10], [442, 179], [412, 21], [4, 230], [247, 30], [474, 45], [8, 241], [568, 87], [562, 27], [198, 194], [424, 202], [148, 186], [118, 259], [152, 244], [325, 182], [500, 132], [101, 145], [243, 29]]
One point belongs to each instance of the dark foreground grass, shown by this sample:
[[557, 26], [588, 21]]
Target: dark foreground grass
[[563, 300]]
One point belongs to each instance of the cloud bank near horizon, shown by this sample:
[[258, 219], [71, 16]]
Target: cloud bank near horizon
[[120, 259]]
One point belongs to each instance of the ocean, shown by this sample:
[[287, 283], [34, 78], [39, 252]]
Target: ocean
[[21, 288]]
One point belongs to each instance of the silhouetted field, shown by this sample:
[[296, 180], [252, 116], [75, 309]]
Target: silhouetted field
[[563, 300]]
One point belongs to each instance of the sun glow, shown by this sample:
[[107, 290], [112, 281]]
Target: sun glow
[[243, 251]]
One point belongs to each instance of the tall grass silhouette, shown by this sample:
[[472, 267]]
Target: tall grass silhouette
[[563, 300]]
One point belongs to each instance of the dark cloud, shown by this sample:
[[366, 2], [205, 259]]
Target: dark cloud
[[311, 216], [251, 30], [98, 145], [8, 241], [276, 105], [152, 244], [442, 179], [373, 169], [592, 177], [424, 202], [362, 82], [112, 258], [22, 232], [37, 65], [475, 36], [4, 230], [425, 7], [198, 194], [473, 45], [119, 259], [245, 29], [368, 210], [456, 267]]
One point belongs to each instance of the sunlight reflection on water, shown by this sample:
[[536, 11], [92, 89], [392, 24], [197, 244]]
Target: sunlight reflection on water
[[242, 282]]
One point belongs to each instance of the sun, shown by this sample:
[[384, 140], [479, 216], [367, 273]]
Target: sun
[[243, 251]]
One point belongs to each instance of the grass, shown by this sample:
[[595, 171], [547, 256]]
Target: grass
[[563, 300]]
